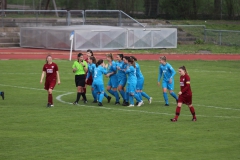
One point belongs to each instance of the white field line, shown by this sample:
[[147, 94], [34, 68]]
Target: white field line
[[208, 106], [156, 71], [31, 88], [190, 70], [136, 111], [118, 109]]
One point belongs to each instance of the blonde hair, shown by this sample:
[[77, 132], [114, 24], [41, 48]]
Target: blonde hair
[[110, 56], [163, 58]]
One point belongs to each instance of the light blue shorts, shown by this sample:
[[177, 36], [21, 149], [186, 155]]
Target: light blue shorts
[[131, 88], [98, 87], [122, 82], [113, 81], [140, 83], [169, 86]]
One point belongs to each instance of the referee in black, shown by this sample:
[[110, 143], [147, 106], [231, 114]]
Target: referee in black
[[80, 68]]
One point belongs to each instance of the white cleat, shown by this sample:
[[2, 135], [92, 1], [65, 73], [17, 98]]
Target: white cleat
[[150, 100], [140, 103], [131, 105]]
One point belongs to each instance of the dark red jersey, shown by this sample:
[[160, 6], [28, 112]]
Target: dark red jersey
[[185, 85], [50, 70]]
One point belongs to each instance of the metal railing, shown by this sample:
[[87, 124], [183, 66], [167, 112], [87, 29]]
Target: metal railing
[[38, 18], [34, 17], [222, 37], [117, 17], [63, 17]]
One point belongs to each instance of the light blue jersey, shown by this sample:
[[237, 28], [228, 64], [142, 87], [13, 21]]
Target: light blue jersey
[[121, 75], [98, 84], [98, 74], [131, 80], [91, 68], [113, 79], [166, 71], [138, 71], [131, 72], [112, 68], [140, 77]]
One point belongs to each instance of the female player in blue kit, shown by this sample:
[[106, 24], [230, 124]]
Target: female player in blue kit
[[167, 71]]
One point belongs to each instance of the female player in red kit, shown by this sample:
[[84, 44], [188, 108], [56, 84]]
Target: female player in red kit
[[50, 69], [185, 95]]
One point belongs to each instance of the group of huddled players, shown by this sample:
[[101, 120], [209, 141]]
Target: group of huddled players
[[124, 77]]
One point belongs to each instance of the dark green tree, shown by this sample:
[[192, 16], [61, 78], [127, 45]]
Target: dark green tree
[[217, 9], [230, 8], [104, 4], [151, 7]]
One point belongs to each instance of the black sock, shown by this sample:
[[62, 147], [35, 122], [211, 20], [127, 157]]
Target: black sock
[[84, 96], [78, 96]]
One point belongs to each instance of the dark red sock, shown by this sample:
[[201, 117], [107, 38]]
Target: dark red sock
[[178, 109], [192, 110], [50, 100]]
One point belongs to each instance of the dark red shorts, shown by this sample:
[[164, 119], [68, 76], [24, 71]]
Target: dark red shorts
[[185, 99], [89, 81], [49, 84]]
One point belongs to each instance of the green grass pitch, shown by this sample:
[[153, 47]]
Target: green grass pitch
[[29, 130]]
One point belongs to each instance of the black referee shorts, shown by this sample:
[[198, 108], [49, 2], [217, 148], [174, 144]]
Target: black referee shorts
[[80, 80]]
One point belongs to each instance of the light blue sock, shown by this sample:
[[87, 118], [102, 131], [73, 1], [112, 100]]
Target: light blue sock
[[126, 96], [131, 99], [122, 94], [94, 94], [111, 92], [105, 95], [0, 92], [98, 96], [174, 95], [101, 97], [116, 96], [145, 95], [137, 97], [165, 96]]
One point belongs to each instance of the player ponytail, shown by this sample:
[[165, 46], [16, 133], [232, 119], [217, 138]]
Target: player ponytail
[[131, 61], [94, 61], [126, 57], [110, 56], [121, 56], [134, 58], [99, 62], [183, 68]]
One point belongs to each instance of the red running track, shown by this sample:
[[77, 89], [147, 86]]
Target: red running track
[[26, 53]]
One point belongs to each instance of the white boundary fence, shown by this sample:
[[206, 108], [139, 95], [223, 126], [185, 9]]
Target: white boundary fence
[[98, 37]]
